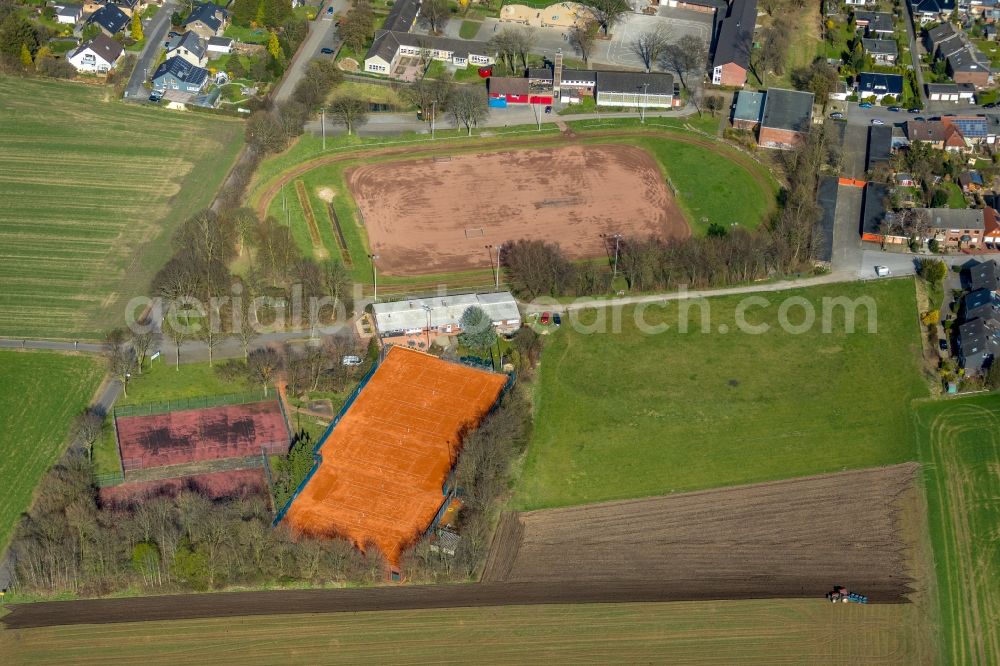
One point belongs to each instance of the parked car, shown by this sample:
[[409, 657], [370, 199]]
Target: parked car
[[548, 109], [155, 96], [556, 319], [865, 105], [919, 119], [943, 344], [895, 109], [913, 110], [326, 50], [329, 10], [837, 115], [351, 360], [882, 271], [878, 121], [991, 105], [546, 317]]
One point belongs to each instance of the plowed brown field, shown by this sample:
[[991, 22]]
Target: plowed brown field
[[782, 539]]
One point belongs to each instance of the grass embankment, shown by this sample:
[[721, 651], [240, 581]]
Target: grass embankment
[[629, 414]]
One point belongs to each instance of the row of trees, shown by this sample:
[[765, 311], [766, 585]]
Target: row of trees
[[684, 57], [723, 257]]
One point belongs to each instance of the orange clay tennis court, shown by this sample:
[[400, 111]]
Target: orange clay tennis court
[[385, 462]]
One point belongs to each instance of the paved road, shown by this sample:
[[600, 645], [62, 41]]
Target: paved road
[[846, 229], [156, 33], [322, 33]]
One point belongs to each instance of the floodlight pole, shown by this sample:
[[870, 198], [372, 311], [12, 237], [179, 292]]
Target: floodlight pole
[[496, 273], [322, 122], [374, 257], [642, 109], [614, 273], [427, 309], [433, 116]]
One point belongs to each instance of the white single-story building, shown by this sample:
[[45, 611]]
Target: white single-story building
[[97, 56], [951, 92], [635, 89], [69, 14], [390, 47], [219, 45], [412, 321]]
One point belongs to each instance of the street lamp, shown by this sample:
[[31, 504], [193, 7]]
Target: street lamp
[[496, 273], [433, 116], [427, 309], [645, 101], [322, 122], [617, 238], [374, 258]]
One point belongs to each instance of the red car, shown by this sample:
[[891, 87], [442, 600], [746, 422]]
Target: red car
[[546, 316]]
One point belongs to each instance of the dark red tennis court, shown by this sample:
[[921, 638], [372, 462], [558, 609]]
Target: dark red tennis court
[[175, 438]]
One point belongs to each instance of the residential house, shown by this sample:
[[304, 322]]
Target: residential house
[[991, 237], [748, 109], [990, 32], [402, 16], [390, 48], [69, 14], [97, 56], [951, 92], [189, 46], [129, 7], [879, 146], [939, 39], [882, 51], [879, 85], [969, 66], [855, 3], [973, 129], [876, 219], [176, 73], [904, 180], [971, 182], [731, 58], [786, 119], [411, 322], [978, 303], [207, 20], [110, 20], [982, 274], [875, 24], [704, 6], [216, 46], [635, 89], [957, 227], [926, 11], [936, 133], [978, 345]]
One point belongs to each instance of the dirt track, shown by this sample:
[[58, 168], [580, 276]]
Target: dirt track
[[435, 215], [786, 538]]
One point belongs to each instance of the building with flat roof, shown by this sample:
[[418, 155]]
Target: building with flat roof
[[748, 109], [787, 118], [416, 322]]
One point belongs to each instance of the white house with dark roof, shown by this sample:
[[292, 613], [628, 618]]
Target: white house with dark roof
[[68, 14], [97, 56], [390, 48], [178, 74], [218, 46], [412, 320], [110, 19]]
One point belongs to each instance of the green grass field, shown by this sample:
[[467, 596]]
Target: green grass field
[[707, 183], [764, 632], [91, 189], [959, 444], [40, 393], [628, 415], [161, 382]]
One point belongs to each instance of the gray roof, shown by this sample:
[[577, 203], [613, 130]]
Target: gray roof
[[69, 10], [182, 70], [540, 73], [105, 47], [220, 41], [787, 110], [508, 85], [874, 83], [387, 42], [933, 6], [110, 18], [984, 275], [950, 88], [402, 15], [873, 211], [587, 75], [956, 218], [410, 314], [877, 21], [190, 41], [977, 344], [749, 105], [735, 39], [880, 46], [629, 82], [826, 197], [879, 145], [966, 61]]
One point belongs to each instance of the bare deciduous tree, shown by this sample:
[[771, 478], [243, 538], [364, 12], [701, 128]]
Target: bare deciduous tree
[[469, 107], [689, 56], [121, 360], [434, 14], [263, 364], [349, 112], [582, 38], [609, 13], [650, 45]]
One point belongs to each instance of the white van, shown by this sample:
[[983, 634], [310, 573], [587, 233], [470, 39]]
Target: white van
[[882, 271]]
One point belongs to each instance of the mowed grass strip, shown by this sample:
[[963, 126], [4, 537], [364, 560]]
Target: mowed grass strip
[[626, 414], [40, 393], [91, 190], [959, 444], [765, 632]]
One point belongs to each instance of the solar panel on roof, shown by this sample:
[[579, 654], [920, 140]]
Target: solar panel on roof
[[971, 127]]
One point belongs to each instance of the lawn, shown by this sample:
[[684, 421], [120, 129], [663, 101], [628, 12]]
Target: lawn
[[40, 394], [92, 189], [469, 29], [161, 382], [766, 631], [708, 182], [630, 415], [960, 449], [955, 197], [370, 92], [247, 35]]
